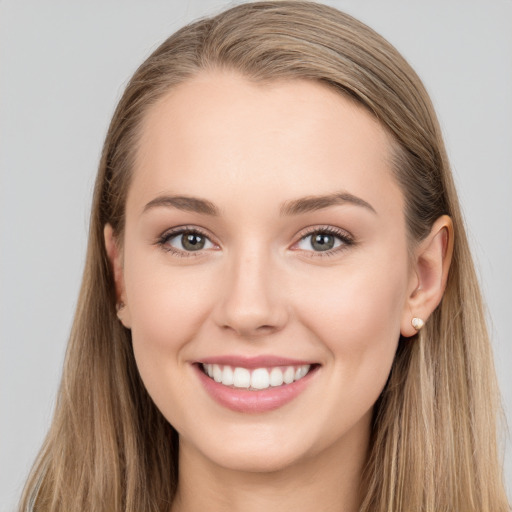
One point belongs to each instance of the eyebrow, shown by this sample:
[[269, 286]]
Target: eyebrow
[[185, 203], [293, 207], [312, 203]]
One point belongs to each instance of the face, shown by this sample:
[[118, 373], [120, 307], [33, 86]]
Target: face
[[265, 245]]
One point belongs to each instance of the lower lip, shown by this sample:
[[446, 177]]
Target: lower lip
[[243, 400]]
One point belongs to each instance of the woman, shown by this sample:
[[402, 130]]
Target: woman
[[279, 307]]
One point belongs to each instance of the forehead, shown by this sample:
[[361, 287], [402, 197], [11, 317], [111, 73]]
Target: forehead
[[283, 138]]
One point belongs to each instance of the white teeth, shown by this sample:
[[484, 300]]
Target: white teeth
[[289, 375], [217, 373], [259, 378], [241, 378], [300, 372], [276, 377], [227, 376]]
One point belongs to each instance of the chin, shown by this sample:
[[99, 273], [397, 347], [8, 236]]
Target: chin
[[255, 460], [250, 450]]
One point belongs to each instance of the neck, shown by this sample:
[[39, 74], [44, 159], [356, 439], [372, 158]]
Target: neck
[[327, 481]]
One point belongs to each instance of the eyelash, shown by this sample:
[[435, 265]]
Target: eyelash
[[346, 240], [168, 235], [343, 236]]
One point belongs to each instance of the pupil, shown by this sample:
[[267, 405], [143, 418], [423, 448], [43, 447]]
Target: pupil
[[322, 242], [193, 242]]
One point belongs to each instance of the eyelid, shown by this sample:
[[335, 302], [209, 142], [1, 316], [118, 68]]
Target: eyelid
[[178, 230], [346, 238]]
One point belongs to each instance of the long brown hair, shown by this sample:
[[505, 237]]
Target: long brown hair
[[433, 445]]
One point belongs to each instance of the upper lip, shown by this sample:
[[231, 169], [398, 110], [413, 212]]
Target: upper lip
[[263, 361]]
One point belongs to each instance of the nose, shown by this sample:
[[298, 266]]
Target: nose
[[252, 301]]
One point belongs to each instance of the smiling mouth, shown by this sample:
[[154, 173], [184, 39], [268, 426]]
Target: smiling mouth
[[256, 379]]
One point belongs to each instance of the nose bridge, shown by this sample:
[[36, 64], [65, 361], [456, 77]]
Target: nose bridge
[[251, 302]]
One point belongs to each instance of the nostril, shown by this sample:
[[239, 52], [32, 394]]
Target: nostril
[[266, 328], [251, 332]]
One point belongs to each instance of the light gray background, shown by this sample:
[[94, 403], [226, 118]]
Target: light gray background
[[63, 67]]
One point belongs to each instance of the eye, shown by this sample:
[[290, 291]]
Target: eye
[[186, 240], [324, 240]]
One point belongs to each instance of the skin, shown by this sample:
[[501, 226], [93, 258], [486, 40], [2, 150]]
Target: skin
[[260, 287]]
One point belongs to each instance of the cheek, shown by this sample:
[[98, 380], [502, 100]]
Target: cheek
[[357, 302], [167, 305], [167, 309], [356, 315]]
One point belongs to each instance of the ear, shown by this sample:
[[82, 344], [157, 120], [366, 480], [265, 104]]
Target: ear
[[114, 255], [431, 263]]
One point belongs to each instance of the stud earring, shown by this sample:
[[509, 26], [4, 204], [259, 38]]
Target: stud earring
[[417, 323], [119, 306]]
